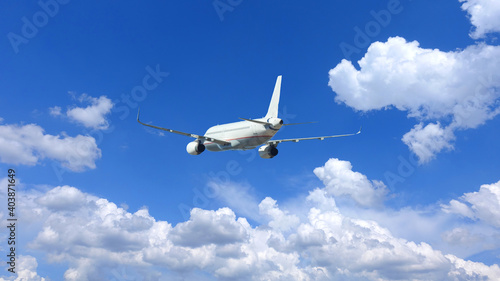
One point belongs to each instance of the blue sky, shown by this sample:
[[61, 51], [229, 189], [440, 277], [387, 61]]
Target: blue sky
[[100, 196]]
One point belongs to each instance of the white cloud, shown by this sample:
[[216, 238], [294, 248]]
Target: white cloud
[[468, 270], [280, 220], [94, 115], [484, 15], [340, 180], [26, 268], [483, 205], [364, 249], [428, 83], [461, 237], [55, 111], [426, 141], [209, 227], [461, 86], [96, 238], [62, 198], [459, 208], [28, 144]]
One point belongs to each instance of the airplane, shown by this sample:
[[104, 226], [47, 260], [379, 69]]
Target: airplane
[[246, 134]]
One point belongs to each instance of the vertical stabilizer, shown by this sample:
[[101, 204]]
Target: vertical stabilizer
[[275, 100]]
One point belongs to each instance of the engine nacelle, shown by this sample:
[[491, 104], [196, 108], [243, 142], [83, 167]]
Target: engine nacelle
[[268, 151], [195, 148], [276, 122]]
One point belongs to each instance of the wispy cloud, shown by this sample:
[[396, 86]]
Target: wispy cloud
[[239, 197], [55, 111]]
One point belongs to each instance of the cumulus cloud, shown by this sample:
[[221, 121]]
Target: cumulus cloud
[[92, 116], [428, 83], [484, 15], [28, 144], [426, 141], [314, 241], [458, 87], [209, 227], [62, 198], [468, 270], [26, 270], [483, 205], [341, 180], [280, 219]]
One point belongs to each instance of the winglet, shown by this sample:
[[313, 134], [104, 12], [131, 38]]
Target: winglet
[[359, 132], [138, 112], [275, 100]]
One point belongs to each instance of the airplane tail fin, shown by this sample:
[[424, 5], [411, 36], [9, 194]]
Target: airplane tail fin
[[273, 106]]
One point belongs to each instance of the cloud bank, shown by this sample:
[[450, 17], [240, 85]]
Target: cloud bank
[[312, 240]]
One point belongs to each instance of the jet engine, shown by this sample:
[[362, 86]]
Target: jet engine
[[268, 151], [276, 123], [195, 148]]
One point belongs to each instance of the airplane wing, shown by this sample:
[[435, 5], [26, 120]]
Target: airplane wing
[[221, 142], [275, 142]]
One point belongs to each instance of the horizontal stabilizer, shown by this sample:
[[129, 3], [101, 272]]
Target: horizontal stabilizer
[[256, 121], [292, 124]]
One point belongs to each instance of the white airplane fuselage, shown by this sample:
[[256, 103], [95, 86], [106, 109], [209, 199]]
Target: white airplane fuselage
[[241, 135]]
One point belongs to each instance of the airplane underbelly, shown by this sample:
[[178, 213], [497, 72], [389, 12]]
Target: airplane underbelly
[[233, 145], [257, 140], [238, 144], [241, 140], [213, 147]]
